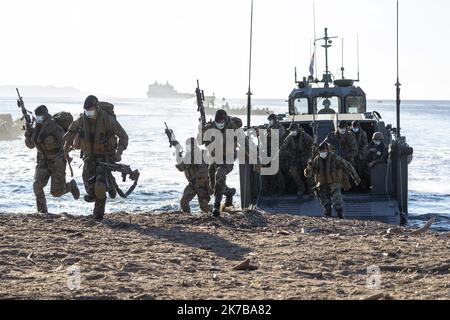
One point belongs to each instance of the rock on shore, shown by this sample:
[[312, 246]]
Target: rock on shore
[[240, 255]]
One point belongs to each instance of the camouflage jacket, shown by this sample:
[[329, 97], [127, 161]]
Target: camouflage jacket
[[298, 147], [232, 123], [47, 138], [362, 142], [344, 145], [329, 170], [377, 154], [193, 172], [104, 135]]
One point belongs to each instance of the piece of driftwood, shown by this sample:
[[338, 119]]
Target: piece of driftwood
[[245, 265], [284, 232], [425, 228], [311, 274]]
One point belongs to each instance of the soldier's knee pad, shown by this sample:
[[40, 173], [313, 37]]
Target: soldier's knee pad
[[100, 190], [57, 193]]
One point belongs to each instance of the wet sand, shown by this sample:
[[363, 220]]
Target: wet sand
[[176, 256]]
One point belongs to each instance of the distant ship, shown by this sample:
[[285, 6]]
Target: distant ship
[[234, 110], [159, 90]]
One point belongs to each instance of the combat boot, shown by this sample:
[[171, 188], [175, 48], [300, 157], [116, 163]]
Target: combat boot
[[229, 197], [74, 189], [42, 208], [327, 212], [186, 209], [340, 213], [99, 209], [217, 202], [89, 198]]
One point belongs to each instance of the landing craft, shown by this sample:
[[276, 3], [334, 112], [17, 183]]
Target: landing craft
[[387, 198]]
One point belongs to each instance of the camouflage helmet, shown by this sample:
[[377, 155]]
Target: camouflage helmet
[[91, 101], [324, 146], [221, 115], [41, 111], [378, 136], [272, 116], [293, 126], [342, 124], [356, 124]]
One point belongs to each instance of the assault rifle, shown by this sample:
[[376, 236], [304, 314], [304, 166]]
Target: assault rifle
[[110, 182], [173, 141], [200, 107], [27, 115]]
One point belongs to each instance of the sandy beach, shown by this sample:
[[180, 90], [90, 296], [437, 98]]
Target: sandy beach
[[177, 256]]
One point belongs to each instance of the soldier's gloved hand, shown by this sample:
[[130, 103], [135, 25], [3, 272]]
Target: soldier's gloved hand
[[357, 181], [28, 133], [118, 156], [20, 103]]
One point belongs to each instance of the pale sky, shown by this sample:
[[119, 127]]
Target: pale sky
[[118, 47]]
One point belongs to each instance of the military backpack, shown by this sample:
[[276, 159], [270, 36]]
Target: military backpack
[[63, 119]]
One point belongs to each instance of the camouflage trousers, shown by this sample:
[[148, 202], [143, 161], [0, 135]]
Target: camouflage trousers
[[218, 178], [46, 170], [330, 195], [202, 190], [95, 188], [296, 169], [345, 181]]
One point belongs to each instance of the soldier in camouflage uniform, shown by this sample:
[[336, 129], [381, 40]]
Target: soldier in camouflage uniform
[[47, 138], [218, 171], [360, 159], [101, 138], [298, 147], [377, 150], [327, 169], [345, 145], [198, 177], [274, 185]]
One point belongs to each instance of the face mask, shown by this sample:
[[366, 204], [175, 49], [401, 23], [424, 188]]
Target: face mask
[[40, 119], [294, 133], [355, 130], [342, 131], [323, 155], [271, 122], [220, 126], [89, 114], [377, 142]]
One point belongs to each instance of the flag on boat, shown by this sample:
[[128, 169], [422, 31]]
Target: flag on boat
[[311, 65]]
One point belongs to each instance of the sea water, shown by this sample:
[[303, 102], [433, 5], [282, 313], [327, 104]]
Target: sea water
[[424, 123]]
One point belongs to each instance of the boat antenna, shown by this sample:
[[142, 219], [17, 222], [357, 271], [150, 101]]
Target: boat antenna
[[357, 53], [249, 93], [327, 44], [342, 68], [315, 37], [398, 77], [247, 172]]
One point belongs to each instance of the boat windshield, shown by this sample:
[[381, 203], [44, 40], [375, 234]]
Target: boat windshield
[[328, 105], [301, 106], [356, 104]]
